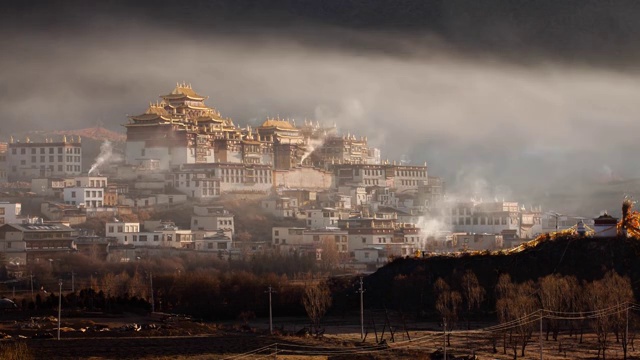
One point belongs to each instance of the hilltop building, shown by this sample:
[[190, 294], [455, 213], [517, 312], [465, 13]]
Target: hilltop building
[[27, 160], [182, 134], [495, 217]]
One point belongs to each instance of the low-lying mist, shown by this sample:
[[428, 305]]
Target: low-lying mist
[[521, 128]]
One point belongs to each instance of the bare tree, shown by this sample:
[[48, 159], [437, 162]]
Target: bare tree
[[330, 255], [599, 299], [504, 290], [448, 304], [611, 297], [557, 294], [316, 300], [621, 294], [472, 292], [516, 303]]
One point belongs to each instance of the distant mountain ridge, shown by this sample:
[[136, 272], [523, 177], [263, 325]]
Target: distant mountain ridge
[[95, 133]]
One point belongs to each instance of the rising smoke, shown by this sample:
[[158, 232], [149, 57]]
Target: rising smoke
[[105, 157], [312, 144]]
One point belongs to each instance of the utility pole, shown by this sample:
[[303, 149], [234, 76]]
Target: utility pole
[[626, 334], [153, 303], [31, 276], [59, 306], [541, 334], [444, 323], [361, 291], [270, 291]]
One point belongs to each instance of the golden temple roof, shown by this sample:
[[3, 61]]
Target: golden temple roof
[[209, 118], [154, 111], [183, 90], [280, 124]]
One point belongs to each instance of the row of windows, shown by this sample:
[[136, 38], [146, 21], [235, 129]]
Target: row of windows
[[233, 179], [483, 221], [144, 238], [210, 192], [51, 150], [89, 193], [409, 182], [411, 173], [95, 183], [46, 235], [127, 228], [373, 172], [52, 158], [69, 168]]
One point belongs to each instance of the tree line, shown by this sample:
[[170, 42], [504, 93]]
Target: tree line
[[554, 302]]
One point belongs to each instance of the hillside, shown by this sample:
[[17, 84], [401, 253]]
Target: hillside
[[95, 133], [407, 284]]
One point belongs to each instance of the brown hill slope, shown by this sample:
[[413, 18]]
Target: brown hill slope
[[95, 133]]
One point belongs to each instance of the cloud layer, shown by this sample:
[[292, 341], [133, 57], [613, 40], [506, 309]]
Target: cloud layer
[[517, 126]]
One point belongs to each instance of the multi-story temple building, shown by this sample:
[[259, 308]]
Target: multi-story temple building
[[178, 130], [181, 129]]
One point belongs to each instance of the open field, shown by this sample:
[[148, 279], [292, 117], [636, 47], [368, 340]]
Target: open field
[[175, 338]]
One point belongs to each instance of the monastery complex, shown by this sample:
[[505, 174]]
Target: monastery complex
[[182, 152]]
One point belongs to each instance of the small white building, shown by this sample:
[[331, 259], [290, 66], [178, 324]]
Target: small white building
[[199, 184], [219, 242], [370, 255], [89, 197], [170, 199], [211, 219], [322, 218], [91, 181], [336, 236], [10, 213], [281, 207], [52, 187], [358, 194], [477, 242], [605, 226], [287, 236], [122, 231]]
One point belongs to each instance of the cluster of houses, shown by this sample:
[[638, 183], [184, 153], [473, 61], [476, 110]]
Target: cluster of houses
[[342, 196]]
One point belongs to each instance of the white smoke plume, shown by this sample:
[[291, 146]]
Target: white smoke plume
[[106, 155], [312, 144], [433, 229]]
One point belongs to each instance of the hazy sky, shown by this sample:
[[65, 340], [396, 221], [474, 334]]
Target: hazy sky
[[537, 97]]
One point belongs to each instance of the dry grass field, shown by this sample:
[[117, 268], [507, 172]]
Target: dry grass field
[[157, 338]]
